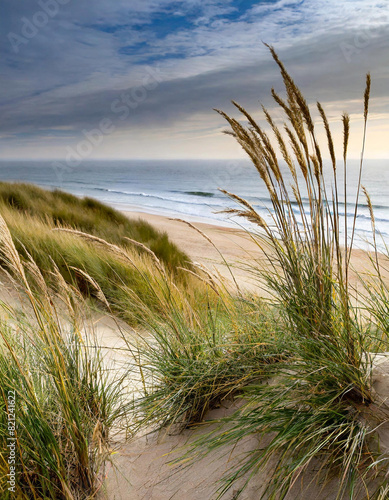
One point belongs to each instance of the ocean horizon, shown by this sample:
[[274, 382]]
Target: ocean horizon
[[191, 188]]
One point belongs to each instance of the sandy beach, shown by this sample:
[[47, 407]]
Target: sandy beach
[[237, 248], [234, 247]]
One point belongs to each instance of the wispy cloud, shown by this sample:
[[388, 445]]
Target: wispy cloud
[[67, 77]]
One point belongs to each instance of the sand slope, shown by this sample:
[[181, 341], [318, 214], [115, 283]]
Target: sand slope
[[143, 470]]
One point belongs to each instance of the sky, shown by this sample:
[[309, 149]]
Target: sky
[[125, 79]]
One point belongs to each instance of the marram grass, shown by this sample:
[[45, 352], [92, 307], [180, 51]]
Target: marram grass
[[197, 345], [73, 256], [193, 359], [33, 214], [318, 406], [62, 209], [68, 400]]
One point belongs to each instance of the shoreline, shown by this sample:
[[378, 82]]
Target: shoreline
[[236, 247], [230, 245], [143, 210]]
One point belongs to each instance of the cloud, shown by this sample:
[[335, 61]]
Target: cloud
[[68, 77]]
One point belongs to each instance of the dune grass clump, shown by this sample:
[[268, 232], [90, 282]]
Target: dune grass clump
[[197, 357], [197, 345], [67, 399], [90, 216], [33, 215], [317, 406], [74, 256]]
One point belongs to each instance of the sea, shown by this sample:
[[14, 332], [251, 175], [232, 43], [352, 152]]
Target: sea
[[190, 189]]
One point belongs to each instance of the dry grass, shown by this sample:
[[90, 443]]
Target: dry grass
[[91, 216], [67, 399], [116, 272], [314, 409]]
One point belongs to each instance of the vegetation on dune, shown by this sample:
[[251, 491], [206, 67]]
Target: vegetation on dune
[[197, 356], [90, 216], [33, 215], [318, 407], [66, 397], [69, 400], [203, 343]]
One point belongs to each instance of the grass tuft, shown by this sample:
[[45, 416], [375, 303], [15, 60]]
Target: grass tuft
[[67, 399], [90, 216], [317, 406], [33, 222]]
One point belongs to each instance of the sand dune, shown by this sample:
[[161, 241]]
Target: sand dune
[[142, 468]]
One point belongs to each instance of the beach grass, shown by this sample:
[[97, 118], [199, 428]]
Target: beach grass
[[60, 399], [34, 226], [197, 345], [317, 408], [194, 358], [63, 209]]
